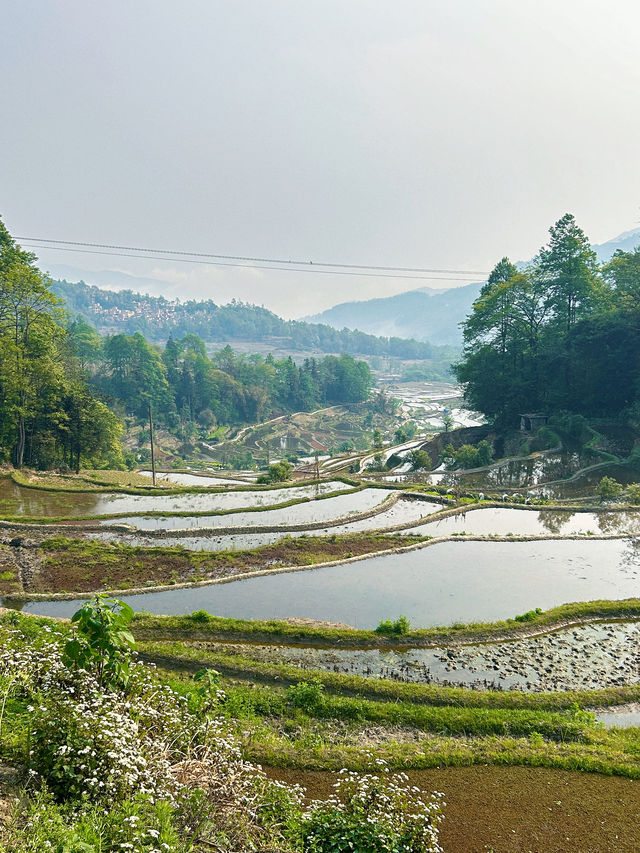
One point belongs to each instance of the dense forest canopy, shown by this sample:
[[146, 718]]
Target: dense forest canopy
[[158, 319], [48, 415], [184, 385], [560, 334]]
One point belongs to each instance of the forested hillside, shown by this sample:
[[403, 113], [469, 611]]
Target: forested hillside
[[48, 414], [158, 318], [65, 389], [562, 334], [186, 387]]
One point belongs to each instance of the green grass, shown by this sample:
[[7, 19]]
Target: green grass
[[336, 721], [181, 656], [87, 565], [443, 720], [148, 626]]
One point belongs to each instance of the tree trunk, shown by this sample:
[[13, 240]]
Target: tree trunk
[[21, 443]]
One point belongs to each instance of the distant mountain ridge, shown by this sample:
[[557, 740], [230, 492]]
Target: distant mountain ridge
[[424, 314], [157, 318], [626, 242], [428, 313]]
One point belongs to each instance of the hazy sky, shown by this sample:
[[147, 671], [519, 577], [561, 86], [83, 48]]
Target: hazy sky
[[434, 134]]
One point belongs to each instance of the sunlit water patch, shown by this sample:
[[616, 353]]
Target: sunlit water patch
[[304, 513], [402, 512], [194, 479], [523, 522], [438, 585], [620, 717]]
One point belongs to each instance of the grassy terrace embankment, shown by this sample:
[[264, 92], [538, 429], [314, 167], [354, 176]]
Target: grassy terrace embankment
[[188, 657], [343, 722], [217, 629], [324, 721]]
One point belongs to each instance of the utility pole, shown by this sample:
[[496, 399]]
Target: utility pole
[[153, 458]]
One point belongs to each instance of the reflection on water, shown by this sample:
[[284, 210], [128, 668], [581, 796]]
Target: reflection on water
[[518, 473], [17, 500], [226, 542], [586, 484], [446, 583], [526, 522], [538, 476], [195, 479]]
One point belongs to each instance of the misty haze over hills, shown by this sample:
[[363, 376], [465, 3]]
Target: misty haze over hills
[[429, 314], [425, 314]]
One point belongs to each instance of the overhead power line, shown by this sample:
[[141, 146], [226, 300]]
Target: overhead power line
[[247, 259], [313, 270]]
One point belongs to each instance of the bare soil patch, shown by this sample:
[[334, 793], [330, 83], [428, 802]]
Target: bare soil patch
[[87, 566], [520, 809]]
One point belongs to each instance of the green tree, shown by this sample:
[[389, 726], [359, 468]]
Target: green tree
[[420, 460], [623, 275], [483, 453], [609, 489], [569, 268]]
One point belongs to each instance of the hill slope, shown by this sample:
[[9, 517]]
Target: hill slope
[[428, 314], [157, 318], [424, 314]]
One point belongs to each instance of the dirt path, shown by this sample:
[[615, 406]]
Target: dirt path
[[521, 809]]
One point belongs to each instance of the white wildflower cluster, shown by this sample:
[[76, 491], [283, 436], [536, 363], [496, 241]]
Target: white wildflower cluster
[[35, 667], [95, 745], [375, 811]]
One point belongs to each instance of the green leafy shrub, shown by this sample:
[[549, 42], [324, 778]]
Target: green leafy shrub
[[397, 628], [102, 643], [529, 616], [609, 489], [420, 460], [633, 493], [279, 472], [200, 616], [306, 695]]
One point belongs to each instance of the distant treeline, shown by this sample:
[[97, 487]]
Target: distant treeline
[[64, 388], [563, 334], [185, 387], [158, 318]]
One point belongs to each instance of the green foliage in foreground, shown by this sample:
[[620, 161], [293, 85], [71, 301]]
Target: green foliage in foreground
[[103, 642], [136, 765], [371, 813]]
